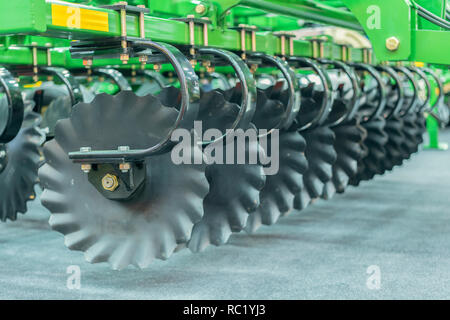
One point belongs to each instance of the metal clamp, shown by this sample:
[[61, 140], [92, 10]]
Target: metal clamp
[[243, 30], [123, 8], [283, 35], [191, 20]]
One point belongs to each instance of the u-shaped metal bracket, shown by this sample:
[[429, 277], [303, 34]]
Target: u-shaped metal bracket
[[414, 101], [69, 81], [398, 105], [248, 89], [11, 117], [379, 109], [325, 106], [354, 102], [293, 104], [188, 111], [116, 76]]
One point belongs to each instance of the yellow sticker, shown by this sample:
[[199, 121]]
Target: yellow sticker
[[79, 18], [33, 85]]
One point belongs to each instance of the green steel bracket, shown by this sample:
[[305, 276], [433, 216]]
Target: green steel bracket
[[394, 31], [76, 21], [433, 133]]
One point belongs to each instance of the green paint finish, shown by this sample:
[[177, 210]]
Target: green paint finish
[[23, 16]]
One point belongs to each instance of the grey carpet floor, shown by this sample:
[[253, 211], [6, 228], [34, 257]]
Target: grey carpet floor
[[398, 222]]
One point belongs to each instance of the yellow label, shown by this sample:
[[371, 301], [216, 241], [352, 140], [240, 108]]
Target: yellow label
[[33, 85], [79, 18]]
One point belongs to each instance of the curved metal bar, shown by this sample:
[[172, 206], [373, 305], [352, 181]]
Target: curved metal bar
[[440, 98], [153, 75], [422, 73], [116, 76], [414, 101], [354, 102], [327, 102], [11, 120], [3, 157], [221, 77], [188, 111], [248, 89], [398, 105], [69, 81], [293, 105], [380, 87]]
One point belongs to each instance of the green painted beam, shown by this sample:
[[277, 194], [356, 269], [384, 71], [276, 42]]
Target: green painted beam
[[75, 21]]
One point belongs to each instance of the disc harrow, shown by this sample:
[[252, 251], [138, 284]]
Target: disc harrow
[[215, 126]]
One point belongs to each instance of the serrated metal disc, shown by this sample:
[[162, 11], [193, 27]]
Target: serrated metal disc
[[321, 156], [277, 196], [394, 147], [18, 178], [156, 219], [234, 188], [234, 195], [371, 163], [59, 108], [349, 146]]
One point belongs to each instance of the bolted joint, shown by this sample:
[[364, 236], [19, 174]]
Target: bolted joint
[[200, 9], [124, 167], [86, 167], [110, 182], [392, 43]]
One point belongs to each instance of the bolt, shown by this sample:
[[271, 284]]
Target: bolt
[[125, 167], [123, 148], [110, 182], [157, 67], [2, 154], [86, 167], [124, 57], [392, 43], [200, 8]]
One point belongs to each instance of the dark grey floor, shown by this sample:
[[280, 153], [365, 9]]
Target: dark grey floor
[[399, 222]]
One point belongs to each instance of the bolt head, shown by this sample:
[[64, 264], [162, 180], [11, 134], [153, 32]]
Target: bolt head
[[85, 167], [124, 167], [200, 8], [392, 43], [110, 182]]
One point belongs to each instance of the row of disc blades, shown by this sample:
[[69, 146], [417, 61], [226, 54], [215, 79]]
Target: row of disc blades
[[194, 205]]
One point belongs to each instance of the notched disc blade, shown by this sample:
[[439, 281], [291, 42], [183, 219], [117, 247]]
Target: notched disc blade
[[18, 178], [277, 196], [350, 149], [156, 219], [371, 163], [321, 156]]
